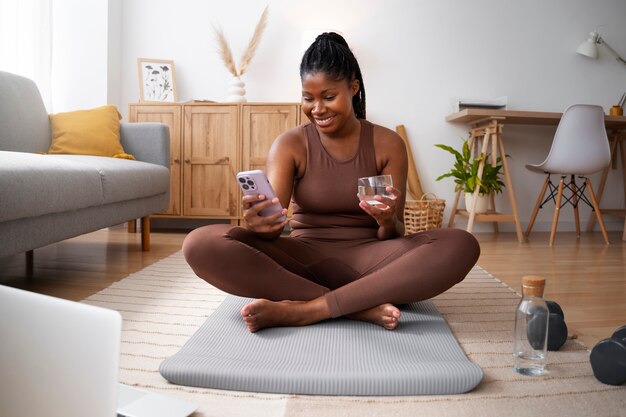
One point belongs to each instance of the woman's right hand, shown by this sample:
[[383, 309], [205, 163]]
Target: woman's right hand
[[268, 225]]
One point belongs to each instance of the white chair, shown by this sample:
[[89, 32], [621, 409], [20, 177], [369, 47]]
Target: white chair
[[580, 147]]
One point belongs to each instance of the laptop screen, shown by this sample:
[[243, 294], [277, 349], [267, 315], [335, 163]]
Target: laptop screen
[[58, 357]]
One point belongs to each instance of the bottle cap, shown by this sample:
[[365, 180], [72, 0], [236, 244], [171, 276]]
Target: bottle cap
[[533, 281], [533, 284]]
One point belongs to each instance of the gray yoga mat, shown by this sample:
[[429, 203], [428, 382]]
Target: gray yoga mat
[[334, 357]]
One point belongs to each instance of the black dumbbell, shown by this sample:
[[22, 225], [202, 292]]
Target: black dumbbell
[[557, 329], [608, 358]]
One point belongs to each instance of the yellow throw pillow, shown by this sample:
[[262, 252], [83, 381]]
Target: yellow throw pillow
[[87, 132]]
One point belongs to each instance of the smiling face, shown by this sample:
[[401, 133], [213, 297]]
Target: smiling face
[[327, 102]]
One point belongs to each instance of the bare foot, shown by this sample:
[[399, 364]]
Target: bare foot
[[261, 313], [385, 315]]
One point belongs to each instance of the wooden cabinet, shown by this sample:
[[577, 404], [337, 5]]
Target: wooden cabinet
[[261, 124], [210, 161], [210, 143], [169, 115]]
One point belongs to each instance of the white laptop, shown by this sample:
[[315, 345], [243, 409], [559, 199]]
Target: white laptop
[[61, 358]]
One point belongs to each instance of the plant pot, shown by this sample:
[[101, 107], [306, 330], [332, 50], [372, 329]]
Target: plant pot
[[482, 202]]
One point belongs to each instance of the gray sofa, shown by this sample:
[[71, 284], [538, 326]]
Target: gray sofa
[[49, 198]]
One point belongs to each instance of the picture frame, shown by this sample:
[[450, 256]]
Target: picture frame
[[156, 80]]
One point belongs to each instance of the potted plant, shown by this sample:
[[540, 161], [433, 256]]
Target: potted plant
[[465, 174]]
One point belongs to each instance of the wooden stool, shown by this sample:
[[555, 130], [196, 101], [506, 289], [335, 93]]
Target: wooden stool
[[489, 131]]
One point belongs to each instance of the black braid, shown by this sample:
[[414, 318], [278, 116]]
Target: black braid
[[331, 55]]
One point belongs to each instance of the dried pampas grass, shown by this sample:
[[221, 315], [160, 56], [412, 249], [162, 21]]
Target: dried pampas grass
[[254, 42], [226, 54]]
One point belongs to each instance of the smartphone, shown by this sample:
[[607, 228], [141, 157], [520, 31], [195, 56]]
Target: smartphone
[[256, 182]]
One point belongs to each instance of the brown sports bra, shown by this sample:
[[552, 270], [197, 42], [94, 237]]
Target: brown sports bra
[[324, 198]]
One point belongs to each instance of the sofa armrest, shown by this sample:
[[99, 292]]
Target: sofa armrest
[[148, 142]]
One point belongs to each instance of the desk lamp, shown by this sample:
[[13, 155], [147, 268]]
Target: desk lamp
[[589, 48]]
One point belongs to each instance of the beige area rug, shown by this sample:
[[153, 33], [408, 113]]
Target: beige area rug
[[165, 303]]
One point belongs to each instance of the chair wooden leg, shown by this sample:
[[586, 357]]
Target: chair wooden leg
[[536, 209], [132, 226], [557, 210], [145, 233], [575, 198], [596, 208]]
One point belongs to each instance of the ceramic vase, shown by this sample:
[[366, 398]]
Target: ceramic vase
[[482, 202], [236, 91]]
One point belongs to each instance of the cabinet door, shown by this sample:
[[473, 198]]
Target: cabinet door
[[170, 116], [210, 154], [261, 125]]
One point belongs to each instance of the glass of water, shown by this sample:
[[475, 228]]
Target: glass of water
[[368, 187]]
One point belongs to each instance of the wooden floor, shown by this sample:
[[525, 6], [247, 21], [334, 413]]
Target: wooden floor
[[586, 277]]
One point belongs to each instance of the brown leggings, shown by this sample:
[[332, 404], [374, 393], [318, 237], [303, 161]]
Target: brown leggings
[[353, 275]]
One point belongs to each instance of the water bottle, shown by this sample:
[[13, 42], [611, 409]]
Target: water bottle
[[531, 328]]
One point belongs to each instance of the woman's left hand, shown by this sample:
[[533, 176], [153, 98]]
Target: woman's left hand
[[385, 212]]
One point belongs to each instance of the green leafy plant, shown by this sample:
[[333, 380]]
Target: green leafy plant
[[465, 171]]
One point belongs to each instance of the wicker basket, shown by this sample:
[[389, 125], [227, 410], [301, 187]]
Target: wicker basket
[[423, 214]]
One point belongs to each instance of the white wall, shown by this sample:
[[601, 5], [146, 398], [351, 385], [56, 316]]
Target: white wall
[[415, 57], [79, 54], [114, 51], [26, 42]]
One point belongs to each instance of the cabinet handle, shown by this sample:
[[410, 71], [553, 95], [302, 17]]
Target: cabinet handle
[[187, 161], [224, 160], [177, 161]]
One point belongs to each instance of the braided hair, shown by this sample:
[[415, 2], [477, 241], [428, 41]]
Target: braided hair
[[330, 54]]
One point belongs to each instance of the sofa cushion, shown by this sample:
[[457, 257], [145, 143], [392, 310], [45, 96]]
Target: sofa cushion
[[123, 179], [87, 132], [33, 185]]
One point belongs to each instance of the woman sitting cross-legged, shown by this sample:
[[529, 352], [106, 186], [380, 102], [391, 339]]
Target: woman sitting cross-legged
[[343, 257]]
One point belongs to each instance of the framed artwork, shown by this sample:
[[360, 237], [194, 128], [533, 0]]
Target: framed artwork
[[156, 80]]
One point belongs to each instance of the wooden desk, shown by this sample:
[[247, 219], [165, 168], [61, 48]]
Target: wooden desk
[[538, 118], [486, 126]]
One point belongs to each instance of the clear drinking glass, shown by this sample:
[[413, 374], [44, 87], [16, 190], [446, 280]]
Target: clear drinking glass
[[368, 187]]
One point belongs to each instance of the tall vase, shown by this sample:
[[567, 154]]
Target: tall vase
[[236, 91]]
